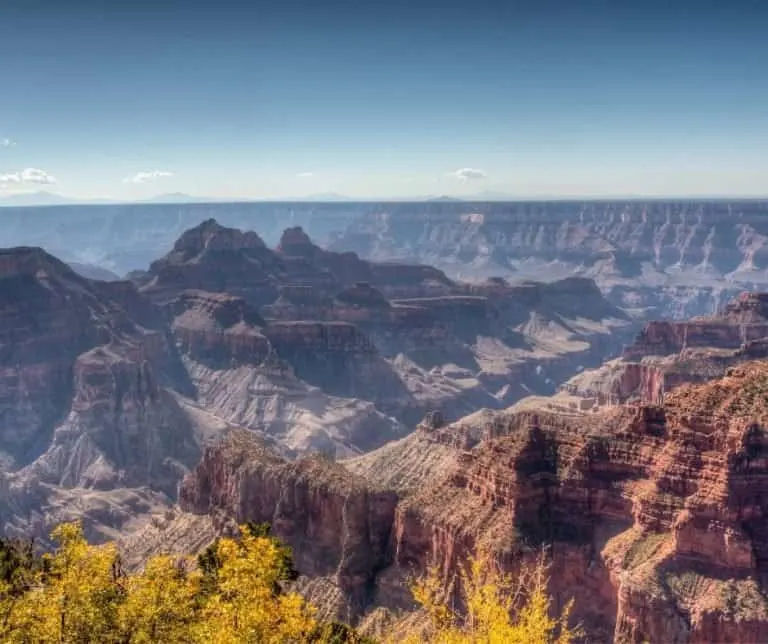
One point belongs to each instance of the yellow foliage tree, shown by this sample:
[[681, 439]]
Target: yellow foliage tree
[[244, 606], [498, 608], [79, 595], [71, 599], [159, 604]]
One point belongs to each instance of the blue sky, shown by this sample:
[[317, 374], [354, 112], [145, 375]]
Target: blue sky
[[279, 99]]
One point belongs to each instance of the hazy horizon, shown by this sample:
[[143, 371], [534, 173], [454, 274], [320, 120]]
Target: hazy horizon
[[47, 199]]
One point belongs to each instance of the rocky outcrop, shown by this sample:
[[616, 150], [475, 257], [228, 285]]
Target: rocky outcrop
[[406, 280], [658, 511], [664, 338], [667, 354], [295, 382], [295, 245], [49, 316], [741, 321], [618, 382], [89, 403], [680, 516], [212, 257], [339, 358], [122, 430], [335, 522], [218, 329]]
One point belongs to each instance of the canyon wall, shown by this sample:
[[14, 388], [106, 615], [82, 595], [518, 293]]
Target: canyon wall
[[658, 511], [336, 523], [667, 354], [663, 259], [119, 385]]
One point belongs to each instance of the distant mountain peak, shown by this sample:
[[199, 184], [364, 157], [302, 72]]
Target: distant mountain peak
[[444, 198], [327, 196], [45, 198], [37, 198], [177, 197]]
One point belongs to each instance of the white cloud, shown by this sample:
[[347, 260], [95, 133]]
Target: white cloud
[[147, 176], [305, 175], [469, 174], [27, 176], [7, 143]]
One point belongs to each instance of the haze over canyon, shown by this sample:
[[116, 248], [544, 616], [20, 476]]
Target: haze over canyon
[[398, 385]]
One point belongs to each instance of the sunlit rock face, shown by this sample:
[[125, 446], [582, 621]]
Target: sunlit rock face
[[659, 512]]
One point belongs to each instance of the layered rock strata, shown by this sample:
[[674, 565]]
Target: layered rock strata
[[667, 354], [402, 337], [85, 405], [334, 521], [658, 511], [112, 385], [664, 259]]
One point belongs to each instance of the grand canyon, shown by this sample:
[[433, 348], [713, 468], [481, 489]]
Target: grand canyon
[[402, 394], [383, 322]]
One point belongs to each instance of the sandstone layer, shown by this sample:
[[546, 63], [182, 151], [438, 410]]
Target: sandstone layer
[[654, 516]]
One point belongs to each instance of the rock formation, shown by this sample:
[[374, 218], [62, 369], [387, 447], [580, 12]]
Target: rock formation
[[336, 524], [402, 337], [280, 378], [84, 399], [654, 516], [114, 386], [666, 354], [218, 329]]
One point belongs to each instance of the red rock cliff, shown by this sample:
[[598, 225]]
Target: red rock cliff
[[218, 329], [656, 517], [336, 523]]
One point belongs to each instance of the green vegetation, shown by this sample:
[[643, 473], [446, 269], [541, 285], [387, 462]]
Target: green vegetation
[[643, 548]]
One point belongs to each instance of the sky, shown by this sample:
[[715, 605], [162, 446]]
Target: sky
[[236, 99]]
